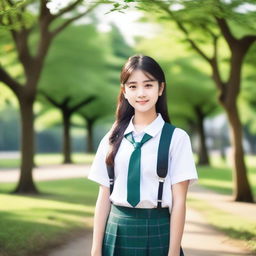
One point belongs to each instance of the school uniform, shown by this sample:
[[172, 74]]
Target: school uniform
[[142, 230]]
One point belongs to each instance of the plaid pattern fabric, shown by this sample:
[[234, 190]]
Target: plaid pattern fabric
[[136, 232]]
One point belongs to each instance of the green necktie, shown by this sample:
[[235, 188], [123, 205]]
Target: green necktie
[[133, 179]]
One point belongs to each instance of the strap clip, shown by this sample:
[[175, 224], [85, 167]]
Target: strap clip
[[161, 179]]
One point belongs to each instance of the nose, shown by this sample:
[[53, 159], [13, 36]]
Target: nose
[[141, 91]]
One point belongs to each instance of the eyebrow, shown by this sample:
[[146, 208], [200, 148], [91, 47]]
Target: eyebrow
[[134, 82]]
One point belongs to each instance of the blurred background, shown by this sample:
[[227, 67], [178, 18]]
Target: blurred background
[[60, 63]]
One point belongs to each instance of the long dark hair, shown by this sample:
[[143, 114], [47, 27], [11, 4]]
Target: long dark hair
[[124, 110]]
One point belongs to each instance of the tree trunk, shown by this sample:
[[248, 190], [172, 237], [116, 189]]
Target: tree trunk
[[26, 184], [202, 152], [66, 139], [242, 191], [89, 136]]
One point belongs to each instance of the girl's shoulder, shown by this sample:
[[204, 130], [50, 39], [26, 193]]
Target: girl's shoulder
[[180, 136], [179, 132]]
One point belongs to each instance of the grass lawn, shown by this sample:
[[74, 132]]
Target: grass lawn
[[45, 159], [31, 224], [218, 176]]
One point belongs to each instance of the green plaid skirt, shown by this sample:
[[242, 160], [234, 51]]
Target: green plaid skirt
[[136, 232]]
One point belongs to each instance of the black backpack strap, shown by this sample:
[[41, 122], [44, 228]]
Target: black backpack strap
[[163, 158], [111, 177]]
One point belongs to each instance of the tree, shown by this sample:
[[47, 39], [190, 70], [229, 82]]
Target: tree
[[189, 89], [216, 20], [117, 53], [32, 65], [70, 85], [191, 101], [220, 15]]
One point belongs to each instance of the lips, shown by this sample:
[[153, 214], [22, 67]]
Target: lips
[[142, 101]]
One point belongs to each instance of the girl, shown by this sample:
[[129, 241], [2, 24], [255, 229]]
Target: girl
[[144, 215]]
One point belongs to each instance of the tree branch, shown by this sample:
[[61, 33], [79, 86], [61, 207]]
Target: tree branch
[[226, 32], [67, 9], [45, 17], [215, 68], [194, 45], [66, 23], [215, 47], [49, 98], [183, 29], [20, 36], [10, 82], [82, 103], [10, 3], [91, 119], [247, 41], [205, 27], [21, 41], [65, 102]]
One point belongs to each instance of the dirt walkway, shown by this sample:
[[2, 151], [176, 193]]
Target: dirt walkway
[[200, 239], [224, 202], [48, 172]]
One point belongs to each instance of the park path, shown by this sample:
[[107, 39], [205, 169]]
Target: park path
[[199, 239], [224, 202], [48, 172]]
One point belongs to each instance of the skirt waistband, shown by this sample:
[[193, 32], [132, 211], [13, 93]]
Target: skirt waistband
[[141, 213]]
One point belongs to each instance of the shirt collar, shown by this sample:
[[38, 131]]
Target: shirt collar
[[152, 129]]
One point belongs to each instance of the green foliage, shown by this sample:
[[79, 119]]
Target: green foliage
[[117, 52], [8, 14], [76, 67], [218, 177], [188, 84], [9, 58], [247, 100], [72, 62], [119, 47], [196, 20]]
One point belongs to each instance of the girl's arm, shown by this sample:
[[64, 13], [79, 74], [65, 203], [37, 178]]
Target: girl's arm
[[177, 221], [100, 217]]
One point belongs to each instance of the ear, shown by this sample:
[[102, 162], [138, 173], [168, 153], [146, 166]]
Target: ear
[[161, 88]]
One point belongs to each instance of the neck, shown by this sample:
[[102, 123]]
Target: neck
[[144, 118]]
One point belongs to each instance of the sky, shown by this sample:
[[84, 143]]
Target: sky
[[127, 23]]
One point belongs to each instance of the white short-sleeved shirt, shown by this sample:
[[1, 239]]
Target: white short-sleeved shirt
[[181, 165]]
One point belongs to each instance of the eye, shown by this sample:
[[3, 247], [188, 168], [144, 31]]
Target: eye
[[132, 86], [149, 85]]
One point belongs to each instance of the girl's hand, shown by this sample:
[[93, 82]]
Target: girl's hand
[[95, 253]]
